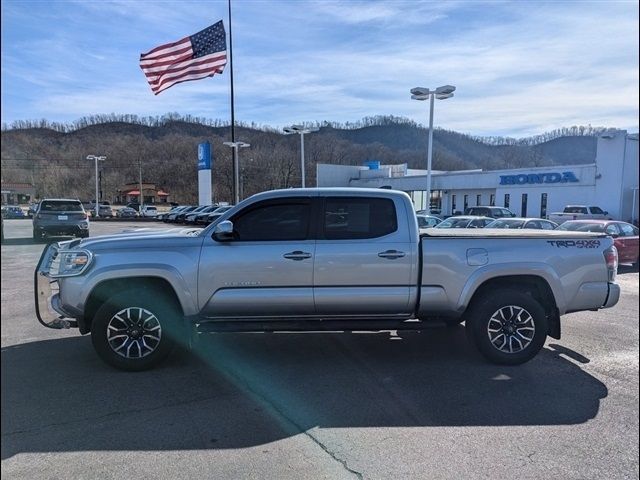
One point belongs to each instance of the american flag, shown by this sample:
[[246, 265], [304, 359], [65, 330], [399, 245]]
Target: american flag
[[197, 56]]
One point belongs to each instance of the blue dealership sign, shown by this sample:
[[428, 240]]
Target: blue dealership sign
[[534, 178], [204, 156]]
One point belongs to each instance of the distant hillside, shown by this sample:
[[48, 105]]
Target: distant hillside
[[52, 156]]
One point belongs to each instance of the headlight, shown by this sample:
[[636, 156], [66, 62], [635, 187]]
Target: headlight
[[68, 263]]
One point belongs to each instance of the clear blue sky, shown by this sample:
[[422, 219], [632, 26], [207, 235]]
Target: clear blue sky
[[520, 68]]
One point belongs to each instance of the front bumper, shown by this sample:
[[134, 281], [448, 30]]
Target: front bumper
[[49, 311], [70, 229]]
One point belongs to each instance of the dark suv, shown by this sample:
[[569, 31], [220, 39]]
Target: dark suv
[[60, 216], [492, 212]]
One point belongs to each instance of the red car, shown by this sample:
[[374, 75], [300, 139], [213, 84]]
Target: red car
[[625, 235]]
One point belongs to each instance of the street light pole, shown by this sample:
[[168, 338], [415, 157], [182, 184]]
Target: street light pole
[[422, 93], [430, 153], [300, 130], [97, 158], [236, 170]]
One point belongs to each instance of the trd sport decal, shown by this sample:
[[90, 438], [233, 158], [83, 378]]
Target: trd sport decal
[[575, 243]]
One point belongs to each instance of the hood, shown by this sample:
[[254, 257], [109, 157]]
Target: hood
[[140, 238]]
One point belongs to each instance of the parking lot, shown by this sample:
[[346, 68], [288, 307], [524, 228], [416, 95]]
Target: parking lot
[[279, 406]]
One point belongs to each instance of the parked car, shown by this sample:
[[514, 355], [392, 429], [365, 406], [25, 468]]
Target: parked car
[[180, 218], [434, 212], [173, 217], [530, 223], [104, 209], [208, 218], [428, 221], [163, 216], [192, 216], [33, 206], [465, 222], [60, 216], [12, 211], [262, 267], [134, 205], [579, 212], [625, 235], [126, 212], [492, 212], [149, 211]]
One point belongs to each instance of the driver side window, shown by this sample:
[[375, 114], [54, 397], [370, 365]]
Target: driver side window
[[273, 221]]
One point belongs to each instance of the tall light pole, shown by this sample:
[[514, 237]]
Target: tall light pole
[[300, 130], [422, 93], [236, 170], [97, 158]]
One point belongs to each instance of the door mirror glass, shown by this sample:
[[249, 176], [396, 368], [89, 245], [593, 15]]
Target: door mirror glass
[[223, 231]]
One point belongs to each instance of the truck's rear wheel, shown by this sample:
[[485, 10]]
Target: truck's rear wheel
[[507, 327], [135, 330]]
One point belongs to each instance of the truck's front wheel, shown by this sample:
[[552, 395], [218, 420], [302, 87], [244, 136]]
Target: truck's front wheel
[[132, 332], [508, 327]]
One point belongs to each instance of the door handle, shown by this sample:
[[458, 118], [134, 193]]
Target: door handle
[[297, 255], [391, 254]]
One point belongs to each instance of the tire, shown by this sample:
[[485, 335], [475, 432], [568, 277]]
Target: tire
[[118, 339], [507, 320], [37, 236]]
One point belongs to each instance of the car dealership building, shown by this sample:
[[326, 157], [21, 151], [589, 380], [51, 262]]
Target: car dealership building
[[610, 183]]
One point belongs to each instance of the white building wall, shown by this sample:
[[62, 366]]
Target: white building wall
[[611, 183], [336, 175]]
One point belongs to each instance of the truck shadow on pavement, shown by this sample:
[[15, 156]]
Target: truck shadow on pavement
[[243, 390]]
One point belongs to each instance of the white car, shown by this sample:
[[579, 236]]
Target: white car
[[149, 211]]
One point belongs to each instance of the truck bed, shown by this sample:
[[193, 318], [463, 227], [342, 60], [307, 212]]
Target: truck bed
[[505, 233]]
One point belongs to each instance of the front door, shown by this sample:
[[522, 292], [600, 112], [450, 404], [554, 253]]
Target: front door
[[266, 270]]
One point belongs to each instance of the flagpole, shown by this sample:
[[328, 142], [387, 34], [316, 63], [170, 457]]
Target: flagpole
[[233, 120]]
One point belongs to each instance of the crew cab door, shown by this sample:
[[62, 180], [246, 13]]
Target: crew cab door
[[365, 258], [266, 270]]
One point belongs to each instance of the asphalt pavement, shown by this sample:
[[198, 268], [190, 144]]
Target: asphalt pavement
[[311, 406]]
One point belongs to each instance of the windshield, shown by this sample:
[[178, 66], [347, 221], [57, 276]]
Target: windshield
[[506, 224], [60, 206], [582, 227]]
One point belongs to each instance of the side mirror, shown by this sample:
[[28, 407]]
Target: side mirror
[[223, 231], [606, 213]]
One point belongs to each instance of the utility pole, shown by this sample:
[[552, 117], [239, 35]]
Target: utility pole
[[140, 198], [97, 158]]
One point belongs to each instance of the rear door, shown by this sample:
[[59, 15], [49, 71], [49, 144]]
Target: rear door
[[267, 269], [364, 257]]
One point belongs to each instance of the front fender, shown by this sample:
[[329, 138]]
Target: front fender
[[75, 291]]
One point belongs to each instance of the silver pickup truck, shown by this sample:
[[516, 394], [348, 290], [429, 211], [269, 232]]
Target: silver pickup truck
[[321, 260]]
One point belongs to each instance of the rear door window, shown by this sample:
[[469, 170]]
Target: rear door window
[[627, 230], [357, 218]]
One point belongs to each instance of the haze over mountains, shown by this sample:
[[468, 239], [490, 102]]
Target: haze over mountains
[[52, 156]]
